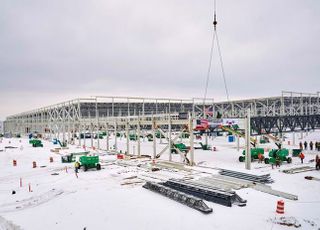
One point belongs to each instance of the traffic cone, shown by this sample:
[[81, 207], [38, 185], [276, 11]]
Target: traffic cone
[[34, 164], [280, 207]]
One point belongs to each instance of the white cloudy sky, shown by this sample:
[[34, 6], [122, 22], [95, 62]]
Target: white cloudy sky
[[51, 51]]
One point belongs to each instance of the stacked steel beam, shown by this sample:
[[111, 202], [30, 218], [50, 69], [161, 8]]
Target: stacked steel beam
[[178, 196], [263, 179], [219, 196], [298, 169]]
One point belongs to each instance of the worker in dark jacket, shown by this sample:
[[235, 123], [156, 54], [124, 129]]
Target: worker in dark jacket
[[317, 163], [305, 145], [278, 161], [311, 145]]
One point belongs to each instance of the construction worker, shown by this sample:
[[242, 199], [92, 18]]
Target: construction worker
[[316, 146], [305, 145], [260, 157], [301, 155], [76, 166], [317, 163], [301, 146], [311, 145], [278, 161]]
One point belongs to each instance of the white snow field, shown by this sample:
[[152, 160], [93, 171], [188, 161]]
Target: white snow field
[[113, 198]]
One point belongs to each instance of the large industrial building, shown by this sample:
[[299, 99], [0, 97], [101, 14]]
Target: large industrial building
[[293, 110], [74, 112]]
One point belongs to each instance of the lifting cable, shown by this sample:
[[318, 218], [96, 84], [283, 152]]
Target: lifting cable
[[215, 38]]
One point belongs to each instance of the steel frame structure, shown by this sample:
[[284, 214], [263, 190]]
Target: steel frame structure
[[291, 111], [288, 104], [73, 114]]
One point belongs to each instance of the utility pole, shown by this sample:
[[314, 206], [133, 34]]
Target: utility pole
[[191, 138], [107, 139], [138, 138], [154, 137], [248, 147], [169, 138], [115, 136], [127, 136]]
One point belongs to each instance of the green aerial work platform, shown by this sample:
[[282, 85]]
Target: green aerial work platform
[[205, 147], [88, 162], [36, 143], [296, 152], [71, 157], [133, 137], [254, 154], [182, 147], [282, 154], [158, 134]]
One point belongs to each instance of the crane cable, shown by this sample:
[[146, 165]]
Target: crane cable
[[215, 35]]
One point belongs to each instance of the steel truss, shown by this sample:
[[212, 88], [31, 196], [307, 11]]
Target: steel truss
[[281, 124], [288, 104]]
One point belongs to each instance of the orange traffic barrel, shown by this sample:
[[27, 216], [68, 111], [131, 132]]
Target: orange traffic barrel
[[280, 207]]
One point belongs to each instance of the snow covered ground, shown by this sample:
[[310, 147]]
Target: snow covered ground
[[100, 200]]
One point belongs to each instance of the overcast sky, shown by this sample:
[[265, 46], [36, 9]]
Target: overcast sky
[[52, 51]]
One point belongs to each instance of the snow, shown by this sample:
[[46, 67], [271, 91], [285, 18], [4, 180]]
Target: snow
[[97, 200]]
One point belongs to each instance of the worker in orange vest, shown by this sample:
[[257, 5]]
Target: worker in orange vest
[[260, 157], [301, 155]]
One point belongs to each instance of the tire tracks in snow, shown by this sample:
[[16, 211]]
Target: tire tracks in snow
[[31, 202]]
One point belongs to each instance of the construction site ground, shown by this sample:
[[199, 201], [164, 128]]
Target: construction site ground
[[51, 196]]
